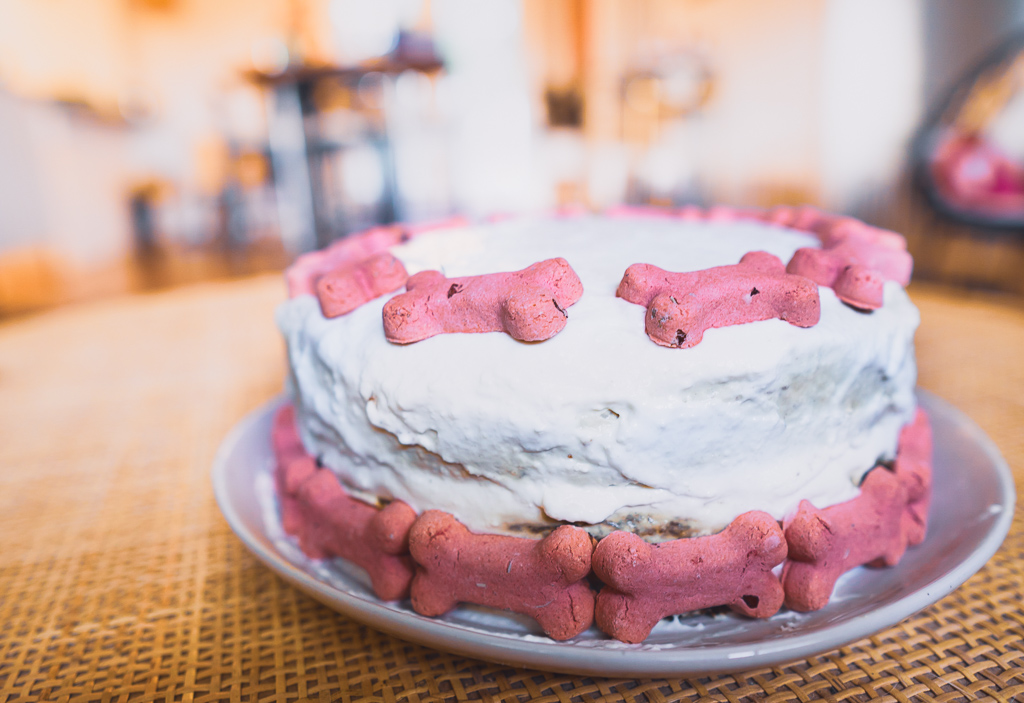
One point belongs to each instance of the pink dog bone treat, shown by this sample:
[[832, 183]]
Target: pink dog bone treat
[[307, 269], [530, 305], [292, 473], [293, 466], [855, 259], [415, 230], [343, 290], [690, 213], [303, 274], [875, 528], [724, 213], [681, 306], [284, 435], [805, 219], [640, 212], [832, 230], [338, 525], [328, 522], [914, 465], [544, 579], [646, 582], [856, 271]]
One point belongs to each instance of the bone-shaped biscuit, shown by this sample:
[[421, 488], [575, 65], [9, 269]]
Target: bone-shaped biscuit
[[291, 473], [855, 259], [293, 466], [645, 212], [307, 269], [338, 525], [544, 579], [284, 434], [805, 218], [856, 271], [646, 582], [690, 213], [831, 229], [682, 306], [330, 523], [530, 305], [343, 290], [875, 528], [914, 467]]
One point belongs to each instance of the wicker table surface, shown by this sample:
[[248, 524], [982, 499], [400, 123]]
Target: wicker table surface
[[120, 580]]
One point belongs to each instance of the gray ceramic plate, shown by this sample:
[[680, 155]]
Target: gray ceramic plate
[[971, 514]]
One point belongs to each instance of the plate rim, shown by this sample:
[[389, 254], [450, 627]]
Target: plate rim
[[626, 661]]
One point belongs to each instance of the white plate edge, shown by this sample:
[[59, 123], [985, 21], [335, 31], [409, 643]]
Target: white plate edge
[[621, 662]]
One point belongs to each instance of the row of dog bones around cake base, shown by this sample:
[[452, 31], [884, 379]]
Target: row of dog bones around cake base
[[439, 563]]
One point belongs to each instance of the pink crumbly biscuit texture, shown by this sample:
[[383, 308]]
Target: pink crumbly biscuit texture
[[330, 523], [544, 579], [303, 274], [530, 305], [682, 306], [875, 528], [288, 450], [855, 259], [343, 290], [284, 435], [646, 582]]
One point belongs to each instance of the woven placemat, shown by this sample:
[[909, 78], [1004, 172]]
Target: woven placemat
[[119, 579]]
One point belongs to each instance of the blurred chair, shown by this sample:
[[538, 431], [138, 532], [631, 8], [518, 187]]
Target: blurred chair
[[321, 116]]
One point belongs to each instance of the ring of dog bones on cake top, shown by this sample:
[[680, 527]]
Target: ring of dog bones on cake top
[[439, 563]]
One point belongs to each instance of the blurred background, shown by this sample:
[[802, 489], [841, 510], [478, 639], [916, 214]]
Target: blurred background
[[151, 143]]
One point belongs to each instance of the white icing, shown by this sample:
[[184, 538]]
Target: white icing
[[600, 422]]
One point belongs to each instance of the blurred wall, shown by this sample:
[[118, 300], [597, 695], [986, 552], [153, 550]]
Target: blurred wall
[[126, 55], [811, 100], [760, 124], [760, 127], [960, 34], [871, 100], [22, 213], [62, 180], [114, 94]]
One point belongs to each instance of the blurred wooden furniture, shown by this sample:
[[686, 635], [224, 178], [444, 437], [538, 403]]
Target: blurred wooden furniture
[[298, 147]]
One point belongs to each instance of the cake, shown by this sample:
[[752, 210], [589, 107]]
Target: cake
[[529, 385]]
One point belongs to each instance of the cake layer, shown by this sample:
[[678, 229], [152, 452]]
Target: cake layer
[[599, 426]]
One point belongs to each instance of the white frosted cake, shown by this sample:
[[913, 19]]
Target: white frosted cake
[[598, 426]]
